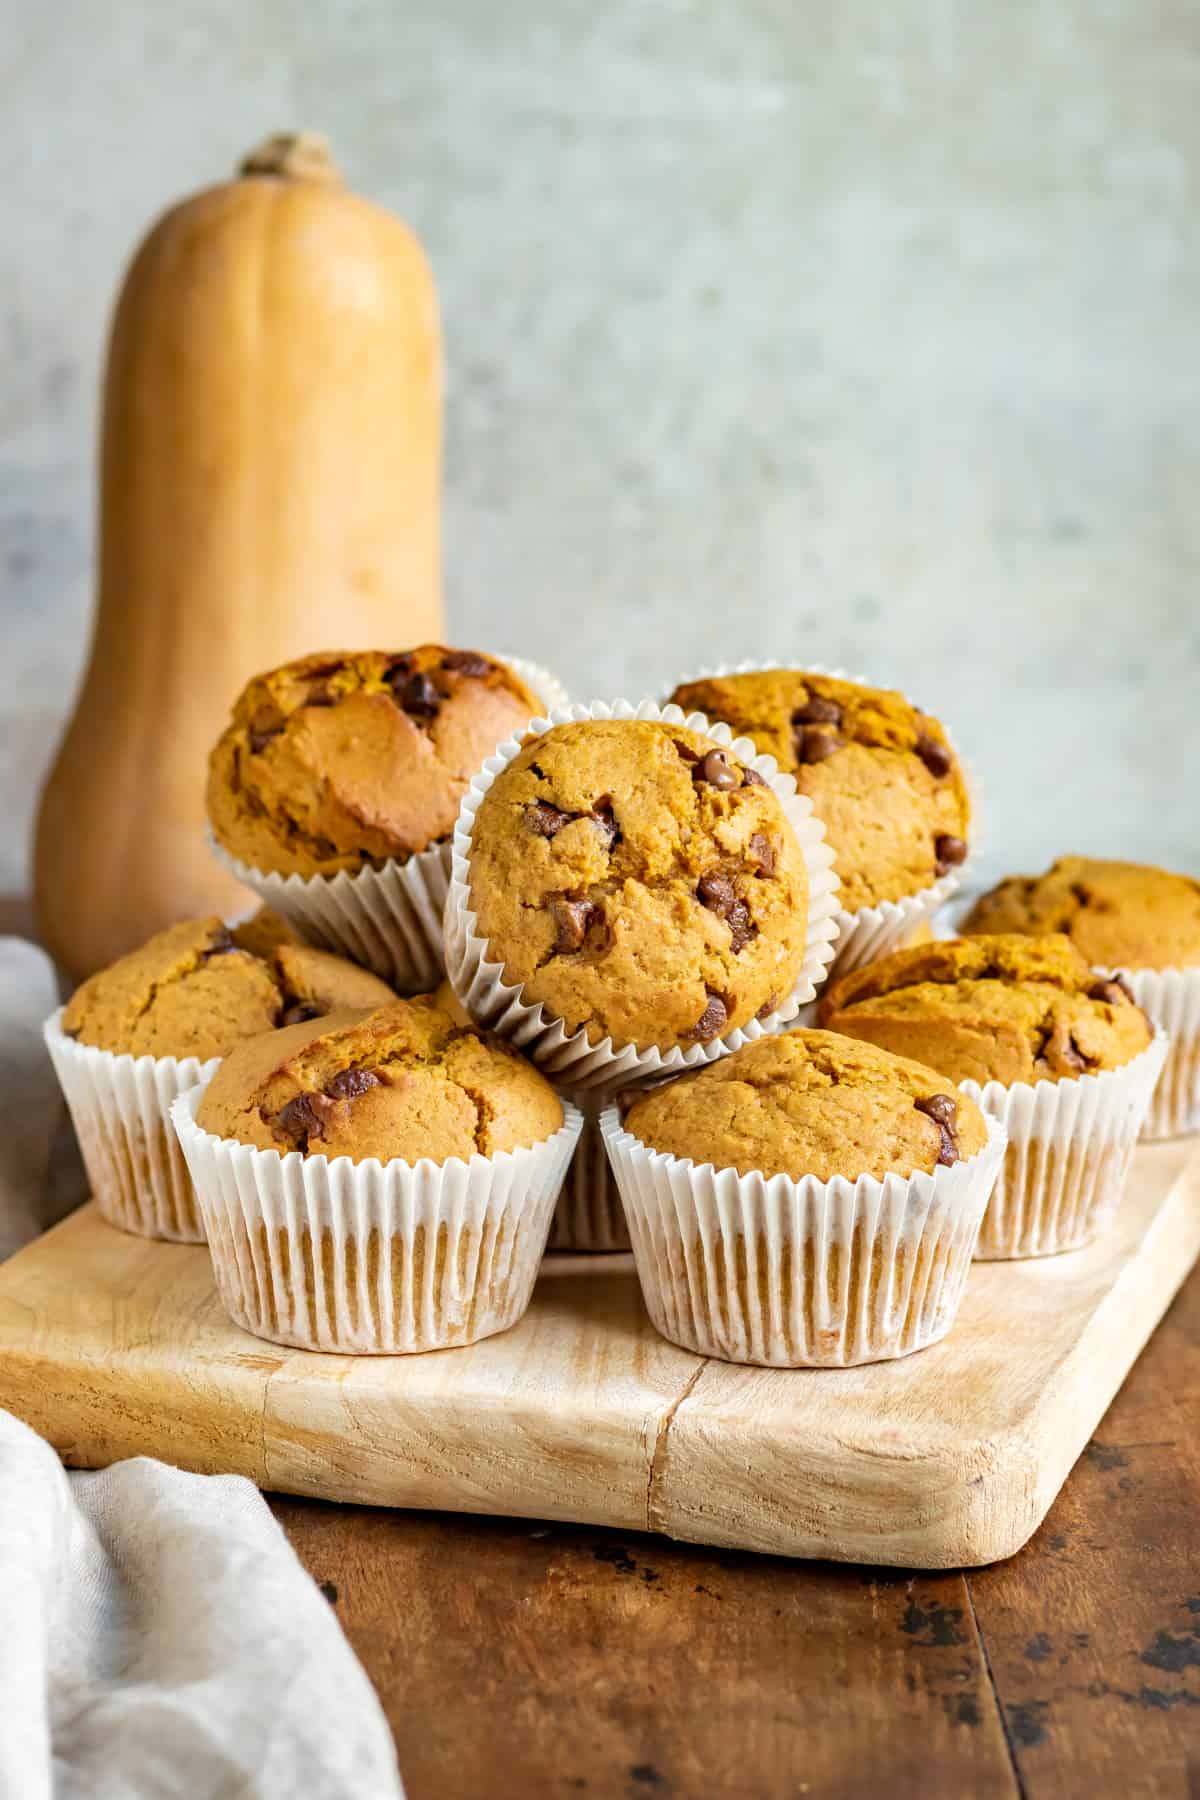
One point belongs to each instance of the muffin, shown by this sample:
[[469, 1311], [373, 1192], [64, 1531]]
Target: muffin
[[335, 787], [807, 1200], [377, 1182], [640, 883], [1141, 922], [136, 1034], [881, 775], [1064, 1056]]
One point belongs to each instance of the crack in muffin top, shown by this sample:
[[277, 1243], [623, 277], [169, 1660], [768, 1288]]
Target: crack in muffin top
[[404, 1081], [997, 1008], [197, 989], [641, 881], [881, 774], [811, 1103], [342, 760], [1119, 915]]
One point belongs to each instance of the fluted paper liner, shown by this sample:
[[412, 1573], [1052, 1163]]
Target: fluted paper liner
[[371, 1258], [870, 932], [800, 1273], [589, 1215], [387, 919], [120, 1108], [1170, 998], [1069, 1145], [569, 1055]]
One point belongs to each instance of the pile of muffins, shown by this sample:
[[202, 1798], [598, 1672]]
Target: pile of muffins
[[611, 976]]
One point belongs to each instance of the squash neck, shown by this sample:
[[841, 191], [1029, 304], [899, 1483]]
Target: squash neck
[[293, 156]]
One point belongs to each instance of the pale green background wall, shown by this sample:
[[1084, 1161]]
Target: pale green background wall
[[855, 332]]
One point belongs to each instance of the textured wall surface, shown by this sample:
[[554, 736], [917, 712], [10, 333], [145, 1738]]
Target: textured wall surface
[[862, 333]]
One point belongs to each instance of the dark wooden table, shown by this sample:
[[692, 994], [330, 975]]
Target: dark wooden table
[[526, 1659]]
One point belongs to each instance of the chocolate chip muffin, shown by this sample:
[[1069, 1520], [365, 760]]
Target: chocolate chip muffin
[[808, 1200], [811, 1103], [983, 1009], [640, 882], [880, 774], [1119, 915], [403, 1082], [194, 991], [341, 761]]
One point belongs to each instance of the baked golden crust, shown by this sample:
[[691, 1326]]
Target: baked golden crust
[[1119, 915], [401, 1082], [192, 990], [811, 1103], [639, 882], [996, 1008], [880, 774], [344, 759]]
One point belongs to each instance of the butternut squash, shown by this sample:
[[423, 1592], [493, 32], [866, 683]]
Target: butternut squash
[[270, 473]]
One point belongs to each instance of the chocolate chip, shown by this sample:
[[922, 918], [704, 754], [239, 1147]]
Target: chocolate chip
[[1073, 1056], [320, 696], [685, 750], [467, 662], [715, 770], [763, 851], [418, 696], [572, 919], [396, 673], [943, 1110], [350, 1084], [741, 927], [949, 852], [545, 820], [768, 1007], [942, 1107], [303, 1118], [1115, 991], [752, 778], [299, 1013], [935, 756], [712, 1020], [814, 743], [817, 711], [717, 893], [605, 823], [264, 726]]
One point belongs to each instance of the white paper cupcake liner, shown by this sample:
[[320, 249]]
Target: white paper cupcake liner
[[589, 1215], [1069, 1145], [373, 1258], [120, 1108], [570, 1056], [388, 920], [800, 1274], [1170, 998], [873, 931]]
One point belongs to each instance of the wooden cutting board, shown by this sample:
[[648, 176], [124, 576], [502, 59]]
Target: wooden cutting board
[[111, 1346]]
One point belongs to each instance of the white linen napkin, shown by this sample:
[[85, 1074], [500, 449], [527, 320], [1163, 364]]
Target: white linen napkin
[[160, 1639]]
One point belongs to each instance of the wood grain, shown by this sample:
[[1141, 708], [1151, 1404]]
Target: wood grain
[[514, 1659], [112, 1346]]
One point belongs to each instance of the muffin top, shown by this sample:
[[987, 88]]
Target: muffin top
[[991, 1009], [194, 990], [810, 1103], [1119, 915], [640, 882], [879, 773], [403, 1081], [339, 760]]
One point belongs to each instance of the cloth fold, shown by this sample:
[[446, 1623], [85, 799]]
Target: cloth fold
[[160, 1639]]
